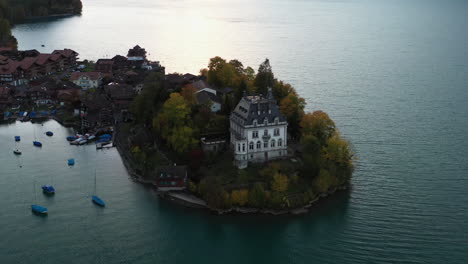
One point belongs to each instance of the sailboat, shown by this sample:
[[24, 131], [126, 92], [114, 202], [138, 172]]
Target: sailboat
[[37, 209], [96, 200]]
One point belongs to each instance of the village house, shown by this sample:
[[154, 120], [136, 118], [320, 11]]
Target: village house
[[5, 97], [210, 100], [121, 95], [171, 178], [258, 130], [19, 67], [86, 80], [104, 66]]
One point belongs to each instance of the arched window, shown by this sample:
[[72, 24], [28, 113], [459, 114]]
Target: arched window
[[273, 143], [243, 147], [265, 132], [265, 122], [251, 145], [255, 122], [259, 145], [276, 120], [280, 142], [265, 144], [238, 147]]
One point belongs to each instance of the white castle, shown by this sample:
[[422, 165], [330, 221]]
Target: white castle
[[259, 131]]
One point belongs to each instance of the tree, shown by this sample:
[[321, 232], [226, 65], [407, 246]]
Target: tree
[[240, 197], [189, 94], [311, 155], [280, 182], [319, 125], [324, 181], [281, 90], [292, 106], [221, 73], [174, 126], [257, 196], [146, 104], [265, 78]]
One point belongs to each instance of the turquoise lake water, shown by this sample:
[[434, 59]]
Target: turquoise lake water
[[392, 74]]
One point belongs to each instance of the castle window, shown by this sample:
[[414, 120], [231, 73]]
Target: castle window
[[255, 134], [277, 132], [238, 147], [259, 145], [273, 143], [251, 145], [243, 147], [280, 142], [265, 144], [265, 132], [255, 122], [265, 122]]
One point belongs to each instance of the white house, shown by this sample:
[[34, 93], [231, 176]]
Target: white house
[[259, 131], [86, 80]]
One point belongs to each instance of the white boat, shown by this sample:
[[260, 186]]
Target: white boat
[[91, 137], [82, 142]]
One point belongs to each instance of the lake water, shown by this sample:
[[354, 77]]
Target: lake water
[[392, 74]]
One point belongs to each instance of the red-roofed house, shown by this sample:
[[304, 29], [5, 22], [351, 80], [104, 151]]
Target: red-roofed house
[[86, 80]]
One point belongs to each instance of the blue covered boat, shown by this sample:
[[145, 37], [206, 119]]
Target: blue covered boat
[[17, 138], [48, 189], [98, 201], [71, 162], [71, 138], [49, 133], [39, 209], [33, 114], [37, 143]]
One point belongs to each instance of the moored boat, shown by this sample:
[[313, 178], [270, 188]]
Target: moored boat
[[72, 138], [37, 143], [17, 138], [82, 142], [17, 152], [71, 162], [39, 209], [48, 189], [49, 133], [98, 201]]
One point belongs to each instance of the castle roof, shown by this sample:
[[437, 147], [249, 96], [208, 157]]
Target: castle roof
[[259, 109]]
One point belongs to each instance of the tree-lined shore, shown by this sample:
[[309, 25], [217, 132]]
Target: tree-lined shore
[[321, 160]]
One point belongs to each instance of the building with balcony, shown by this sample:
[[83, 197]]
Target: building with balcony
[[259, 131]]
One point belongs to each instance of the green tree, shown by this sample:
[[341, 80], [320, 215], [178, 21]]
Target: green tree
[[265, 78], [292, 106], [173, 124], [257, 196]]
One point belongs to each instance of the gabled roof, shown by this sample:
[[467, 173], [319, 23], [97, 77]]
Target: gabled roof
[[94, 76], [204, 97]]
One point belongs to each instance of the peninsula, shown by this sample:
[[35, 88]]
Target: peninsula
[[228, 138]]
